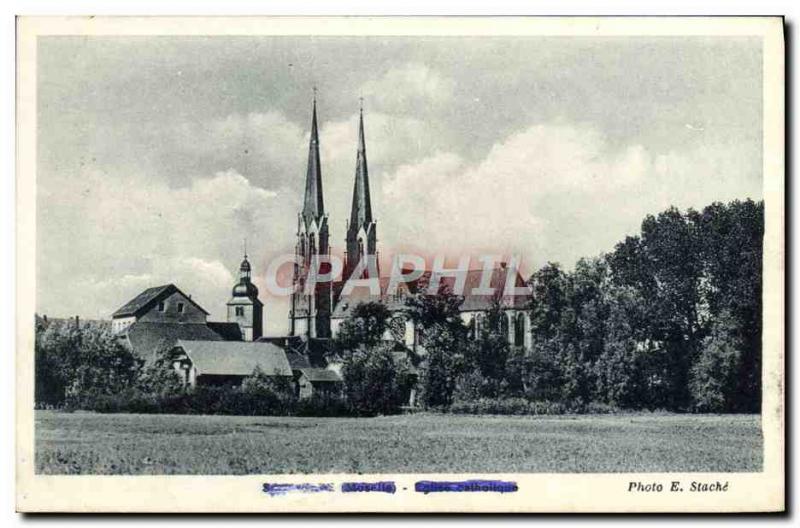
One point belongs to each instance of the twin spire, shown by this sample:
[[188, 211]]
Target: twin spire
[[361, 211], [313, 204]]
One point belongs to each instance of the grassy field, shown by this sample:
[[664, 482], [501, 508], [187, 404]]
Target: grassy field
[[420, 443]]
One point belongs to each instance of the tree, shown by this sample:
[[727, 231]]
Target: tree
[[444, 338], [549, 286], [364, 326], [731, 248], [268, 394], [665, 267], [73, 363], [371, 381], [160, 377], [714, 376]]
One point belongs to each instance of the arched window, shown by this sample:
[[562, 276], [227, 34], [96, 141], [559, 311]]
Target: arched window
[[478, 325], [302, 246], [504, 325], [519, 329], [312, 245], [360, 248]]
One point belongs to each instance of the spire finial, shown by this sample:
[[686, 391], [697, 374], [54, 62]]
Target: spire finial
[[315, 93], [361, 104], [244, 246]]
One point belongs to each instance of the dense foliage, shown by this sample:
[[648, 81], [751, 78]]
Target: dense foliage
[[74, 362], [87, 368], [670, 319]]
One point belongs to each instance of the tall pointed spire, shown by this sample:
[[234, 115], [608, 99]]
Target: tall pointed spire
[[361, 239], [361, 211], [313, 206]]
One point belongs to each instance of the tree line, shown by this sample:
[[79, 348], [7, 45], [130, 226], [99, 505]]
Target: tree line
[[670, 319]]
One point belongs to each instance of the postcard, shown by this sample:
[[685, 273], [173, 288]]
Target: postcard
[[409, 264]]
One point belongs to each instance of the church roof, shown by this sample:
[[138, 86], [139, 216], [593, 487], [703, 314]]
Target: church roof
[[472, 302], [235, 358], [148, 298]]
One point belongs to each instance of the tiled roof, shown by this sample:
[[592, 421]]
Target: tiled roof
[[147, 338], [472, 302], [235, 358], [145, 300], [227, 331]]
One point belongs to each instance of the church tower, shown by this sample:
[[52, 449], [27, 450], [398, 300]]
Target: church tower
[[244, 307], [361, 240], [310, 313]]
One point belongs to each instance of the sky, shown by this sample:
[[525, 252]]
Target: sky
[[158, 156]]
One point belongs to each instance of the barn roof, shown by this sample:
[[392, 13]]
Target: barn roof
[[315, 375], [235, 358], [146, 338], [148, 298], [227, 331]]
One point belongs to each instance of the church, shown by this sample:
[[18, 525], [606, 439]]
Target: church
[[318, 314], [225, 352]]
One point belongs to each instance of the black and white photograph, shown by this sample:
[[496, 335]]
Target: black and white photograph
[[384, 261]]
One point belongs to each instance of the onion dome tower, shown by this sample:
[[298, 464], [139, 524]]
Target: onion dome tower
[[244, 307]]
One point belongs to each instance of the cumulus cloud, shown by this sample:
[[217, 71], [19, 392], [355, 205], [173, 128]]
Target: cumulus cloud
[[551, 192], [115, 237], [408, 86]]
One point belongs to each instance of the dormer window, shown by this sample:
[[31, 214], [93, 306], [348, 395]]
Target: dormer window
[[161, 306]]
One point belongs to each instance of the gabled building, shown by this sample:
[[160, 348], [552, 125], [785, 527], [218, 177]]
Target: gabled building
[[161, 304], [158, 317], [228, 362]]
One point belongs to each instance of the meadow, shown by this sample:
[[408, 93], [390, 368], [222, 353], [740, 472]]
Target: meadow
[[87, 443]]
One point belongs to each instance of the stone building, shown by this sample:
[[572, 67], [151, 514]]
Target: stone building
[[318, 315]]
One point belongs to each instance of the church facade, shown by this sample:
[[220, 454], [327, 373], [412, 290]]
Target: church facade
[[317, 313]]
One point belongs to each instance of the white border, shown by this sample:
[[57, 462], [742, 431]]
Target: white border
[[553, 492]]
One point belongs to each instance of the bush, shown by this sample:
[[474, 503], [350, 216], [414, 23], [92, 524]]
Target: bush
[[507, 406], [714, 376], [523, 407], [73, 363], [370, 382], [322, 406]]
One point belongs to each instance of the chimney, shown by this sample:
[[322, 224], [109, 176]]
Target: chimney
[[77, 322]]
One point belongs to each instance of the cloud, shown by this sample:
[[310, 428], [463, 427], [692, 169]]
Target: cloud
[[551, 192], [107, 239], [266, 147], [408, 86]]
